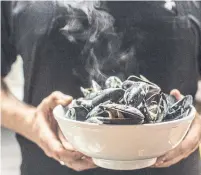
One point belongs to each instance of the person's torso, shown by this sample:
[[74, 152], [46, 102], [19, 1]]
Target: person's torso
[[158, 43]]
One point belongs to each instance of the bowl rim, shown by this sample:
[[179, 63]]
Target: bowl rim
[[190, 115]]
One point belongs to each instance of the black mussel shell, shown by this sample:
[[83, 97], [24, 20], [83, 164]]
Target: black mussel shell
[[127, 84], [171, 99], [97, 111], [112, 94], [159, 101], [183, 103], [85, 103], [134, 101], [163, 110], [77, 113], [145, 112], [152, 91], [92, 95], [177, 115], [135, 94], [178, 109], [126, 111], [137, 79], [113, 82]]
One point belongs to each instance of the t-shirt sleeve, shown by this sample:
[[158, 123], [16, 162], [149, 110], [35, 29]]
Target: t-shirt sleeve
[[8, 50]]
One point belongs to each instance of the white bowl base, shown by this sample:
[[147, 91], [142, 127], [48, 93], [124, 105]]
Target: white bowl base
[[124, 165]]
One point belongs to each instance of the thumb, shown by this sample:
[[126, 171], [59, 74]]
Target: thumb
[[177, 94], [54, 99]]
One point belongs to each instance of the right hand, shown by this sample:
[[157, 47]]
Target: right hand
[[46, 134]]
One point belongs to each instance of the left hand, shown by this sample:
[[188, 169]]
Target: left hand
[[186, 147]]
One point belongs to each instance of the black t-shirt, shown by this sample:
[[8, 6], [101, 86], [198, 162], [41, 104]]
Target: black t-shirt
[[160, 43]]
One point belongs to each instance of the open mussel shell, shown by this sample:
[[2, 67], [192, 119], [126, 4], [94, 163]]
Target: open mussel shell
[[77, 113], [127, 112], [87, 104]]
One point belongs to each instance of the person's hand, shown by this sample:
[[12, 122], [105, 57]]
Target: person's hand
[[46, 134], [187, 146]]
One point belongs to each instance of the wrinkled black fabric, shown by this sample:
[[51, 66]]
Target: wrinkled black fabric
[[167, 51], [8, 49]]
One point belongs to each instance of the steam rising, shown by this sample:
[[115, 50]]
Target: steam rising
[[91, 23]]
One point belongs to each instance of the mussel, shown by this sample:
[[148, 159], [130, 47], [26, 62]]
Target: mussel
[[113, 82], [133, 101], [77, 113]]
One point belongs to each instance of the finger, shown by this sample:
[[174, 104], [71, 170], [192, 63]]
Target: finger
[[174, 160], [167, 157], [54, 99], [64, 141], [81, 165], [50, 143], [168, 163], [58, 152], [68, 146], [184, 149], [177, 94]]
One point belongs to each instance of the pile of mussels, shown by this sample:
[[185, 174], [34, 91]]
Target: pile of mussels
[[134, 101]]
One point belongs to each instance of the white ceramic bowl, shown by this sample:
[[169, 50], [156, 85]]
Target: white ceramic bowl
[[123, 147]]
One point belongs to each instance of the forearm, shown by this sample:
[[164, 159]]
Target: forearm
[[15, 115]]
